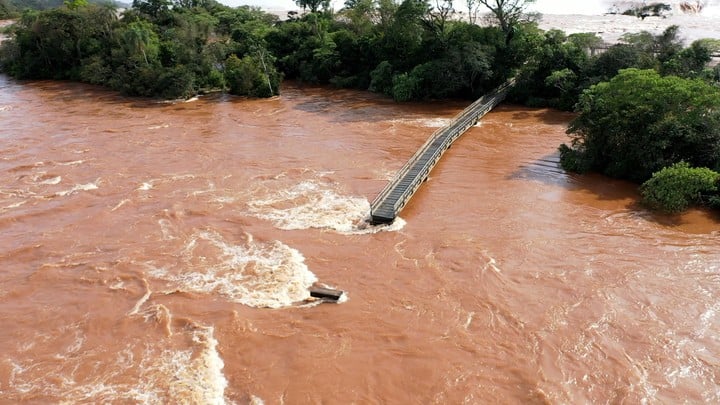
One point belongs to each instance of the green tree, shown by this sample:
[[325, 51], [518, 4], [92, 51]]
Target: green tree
[[382, 78], [155, 10], [619, 56], [247, 76], [140, 38], [402, 41], [313, 5], [54, 43], [689, 62], [640, 122], [437, 18], [587, 41], [362, 15], [554, 74], [7, 10], [507, 13], [405, 87]]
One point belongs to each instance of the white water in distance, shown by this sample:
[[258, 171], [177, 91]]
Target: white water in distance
[[588, 7]]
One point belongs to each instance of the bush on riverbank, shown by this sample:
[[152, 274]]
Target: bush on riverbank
[[675, 188]]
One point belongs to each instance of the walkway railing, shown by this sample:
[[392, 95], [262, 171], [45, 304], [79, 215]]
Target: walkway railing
[[397, 193]]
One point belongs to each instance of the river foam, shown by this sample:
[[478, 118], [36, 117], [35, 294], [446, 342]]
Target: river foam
[[254, 273], [186, 368], [315, 203]]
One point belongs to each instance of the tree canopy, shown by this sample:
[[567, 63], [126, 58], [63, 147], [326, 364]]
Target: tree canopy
[[640, 122], [176, 48], [413, 49], [158, 48], [508, 13], [562, 66]]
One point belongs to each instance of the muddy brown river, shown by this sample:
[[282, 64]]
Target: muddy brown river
[[162, 252]]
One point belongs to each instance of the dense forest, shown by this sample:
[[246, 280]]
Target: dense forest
[[408, 50], [177, 49], [14, 8]]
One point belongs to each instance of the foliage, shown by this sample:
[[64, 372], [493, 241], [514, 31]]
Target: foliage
[[247, 76], [7, 10], [689, 62], [640, 122], [507, 13], [412, 49], [73, 4], [405, 86], [580, 62], [313, 5], [53, 43], [158, 49], [647, 10], [382, 78], [555, 73], [15, 8], [677, 187]]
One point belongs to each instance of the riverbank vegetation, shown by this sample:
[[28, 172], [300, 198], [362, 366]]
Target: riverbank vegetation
[[649, 112], [645, 127], [408, 50], [660, 110], [160, 48], [10, 9], [155, 49]]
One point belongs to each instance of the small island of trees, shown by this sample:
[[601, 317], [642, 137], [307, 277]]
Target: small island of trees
[[648, 107]]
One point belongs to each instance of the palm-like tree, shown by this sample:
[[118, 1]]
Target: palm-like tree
[[137, 37]]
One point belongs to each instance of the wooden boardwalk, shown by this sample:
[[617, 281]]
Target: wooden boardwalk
[[398, 192]]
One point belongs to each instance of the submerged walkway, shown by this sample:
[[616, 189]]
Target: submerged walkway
[[398, 192]]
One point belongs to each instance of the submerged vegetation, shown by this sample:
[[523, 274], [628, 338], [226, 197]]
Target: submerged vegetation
[[677, 187], [648, 106]]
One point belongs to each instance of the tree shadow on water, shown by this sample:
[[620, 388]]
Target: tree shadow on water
[[608, 194], [695, 220], [548, 170]]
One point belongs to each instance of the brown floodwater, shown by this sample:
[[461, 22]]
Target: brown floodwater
[[161, 253]]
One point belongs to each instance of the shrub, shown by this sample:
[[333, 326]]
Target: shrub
[[381, 78], [248, 76], [675, 188], [405, 87]]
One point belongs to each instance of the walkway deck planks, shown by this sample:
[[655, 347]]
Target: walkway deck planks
[[386, 206]]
